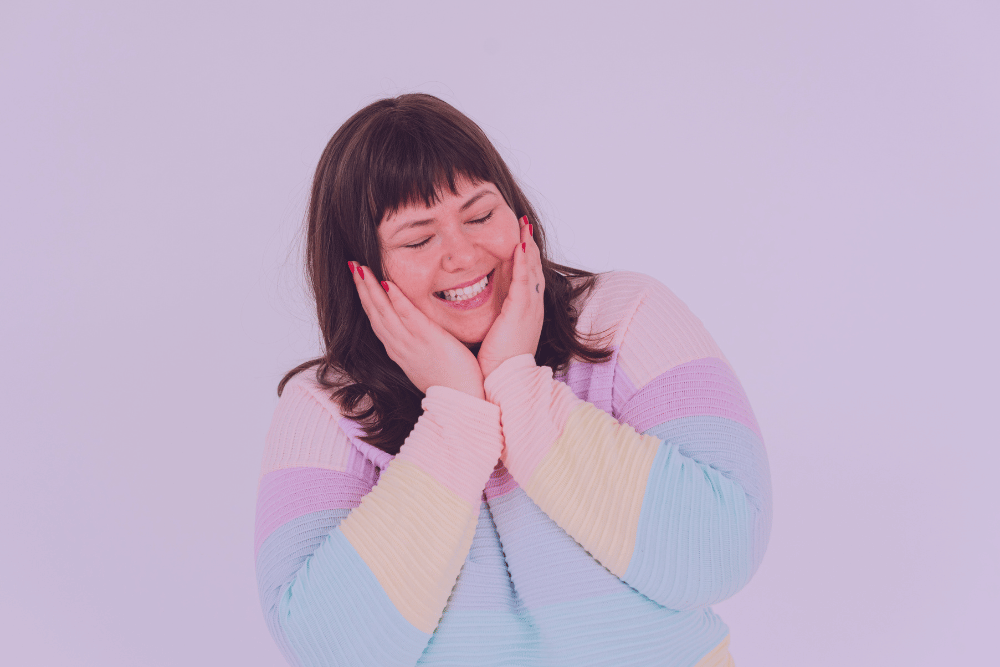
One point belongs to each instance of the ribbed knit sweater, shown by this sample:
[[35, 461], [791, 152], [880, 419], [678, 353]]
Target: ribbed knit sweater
[[585, 519]]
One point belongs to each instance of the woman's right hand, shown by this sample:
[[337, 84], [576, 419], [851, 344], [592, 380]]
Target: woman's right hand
[[429, 355]]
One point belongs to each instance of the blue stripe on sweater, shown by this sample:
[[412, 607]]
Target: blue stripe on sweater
[[280, 557], [485, 639], [695, 505], [605, 631], [336, 613], [738, 453]]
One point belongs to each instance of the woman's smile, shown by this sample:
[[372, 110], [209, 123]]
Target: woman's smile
[[467, 297]]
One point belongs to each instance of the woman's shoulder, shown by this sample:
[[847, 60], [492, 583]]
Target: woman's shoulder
[[309, 430], [647, 323], [627, 283], [619, 296], [306, 383]]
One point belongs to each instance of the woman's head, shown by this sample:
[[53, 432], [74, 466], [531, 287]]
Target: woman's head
[[414, 159]]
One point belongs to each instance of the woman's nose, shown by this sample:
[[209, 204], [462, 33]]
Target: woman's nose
[[458, 251]]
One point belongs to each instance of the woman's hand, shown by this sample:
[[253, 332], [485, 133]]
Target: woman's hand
[[429, 355], [517, 328]]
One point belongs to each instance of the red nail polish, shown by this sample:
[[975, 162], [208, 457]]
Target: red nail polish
[[524, 219], [350, 265], [385, 286], [531, 229], [524, 247], [361, 272]]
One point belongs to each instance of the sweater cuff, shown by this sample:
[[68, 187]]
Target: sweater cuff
[[533, 411], [508, 377], [457, 441]]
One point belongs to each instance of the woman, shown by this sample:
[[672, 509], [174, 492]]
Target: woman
[[568, 471]]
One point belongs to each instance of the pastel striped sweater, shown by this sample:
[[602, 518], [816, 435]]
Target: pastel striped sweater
[[628, 497]]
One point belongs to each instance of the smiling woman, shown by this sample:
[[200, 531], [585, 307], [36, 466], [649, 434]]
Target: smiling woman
[[568, 471]]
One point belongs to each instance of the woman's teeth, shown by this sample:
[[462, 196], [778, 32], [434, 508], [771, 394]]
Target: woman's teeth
[[465, 292]]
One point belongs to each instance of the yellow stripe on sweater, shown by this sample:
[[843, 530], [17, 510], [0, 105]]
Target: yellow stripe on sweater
[[592, 481], [718, 656], [414, 535]]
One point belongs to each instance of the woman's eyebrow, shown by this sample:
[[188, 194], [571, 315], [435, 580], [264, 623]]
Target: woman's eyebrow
[[476, 197], [408, 225], [421, 223]]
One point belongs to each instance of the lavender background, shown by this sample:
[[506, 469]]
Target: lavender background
[[819, 181]]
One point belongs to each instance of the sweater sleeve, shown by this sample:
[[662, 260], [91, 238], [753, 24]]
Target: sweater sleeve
[[351, 572], [671, 490]]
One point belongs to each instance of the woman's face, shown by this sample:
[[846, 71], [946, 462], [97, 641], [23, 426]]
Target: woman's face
[[453, 260]]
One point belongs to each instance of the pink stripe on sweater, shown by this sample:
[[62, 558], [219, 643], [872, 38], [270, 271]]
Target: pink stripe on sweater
[[292, 492], [703, 387], [457, 441]]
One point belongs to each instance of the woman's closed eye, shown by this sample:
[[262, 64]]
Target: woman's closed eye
[[477, 221]]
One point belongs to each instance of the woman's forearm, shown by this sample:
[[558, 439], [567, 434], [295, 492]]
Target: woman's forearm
[[681, 513], [367, 585]]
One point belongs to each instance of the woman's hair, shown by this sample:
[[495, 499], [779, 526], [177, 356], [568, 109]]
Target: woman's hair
[[391, 154]]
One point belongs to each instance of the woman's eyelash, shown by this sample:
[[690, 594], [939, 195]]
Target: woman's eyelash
[[477, 221]]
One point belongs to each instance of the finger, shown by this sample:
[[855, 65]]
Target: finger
[[529, 269], [379, 312], [522, 299], [519, 270], [527, 231], [366, 303], [533, 304], [528, 238], [378, 299]]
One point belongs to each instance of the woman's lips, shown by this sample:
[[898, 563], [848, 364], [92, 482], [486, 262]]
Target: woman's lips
[[474, 302]]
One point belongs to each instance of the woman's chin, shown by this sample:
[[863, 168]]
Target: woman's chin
[[472, 328], [470, 340], [474, 336]]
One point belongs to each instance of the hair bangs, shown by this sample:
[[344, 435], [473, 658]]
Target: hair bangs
[[414, 165]]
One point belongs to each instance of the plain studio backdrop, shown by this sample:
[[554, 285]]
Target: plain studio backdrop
[[819, 182]]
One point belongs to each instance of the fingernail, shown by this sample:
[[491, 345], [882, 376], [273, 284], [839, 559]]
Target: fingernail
[[530, 230], [385, 286], [361, 272], [524, 219], [524, 248]]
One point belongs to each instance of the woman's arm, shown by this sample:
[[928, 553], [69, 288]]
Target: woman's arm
[[355, 575], [671, 491]]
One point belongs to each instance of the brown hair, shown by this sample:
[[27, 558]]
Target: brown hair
[[393, 153]]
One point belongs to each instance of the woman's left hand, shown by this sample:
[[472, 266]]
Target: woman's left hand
[[519, 325]]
